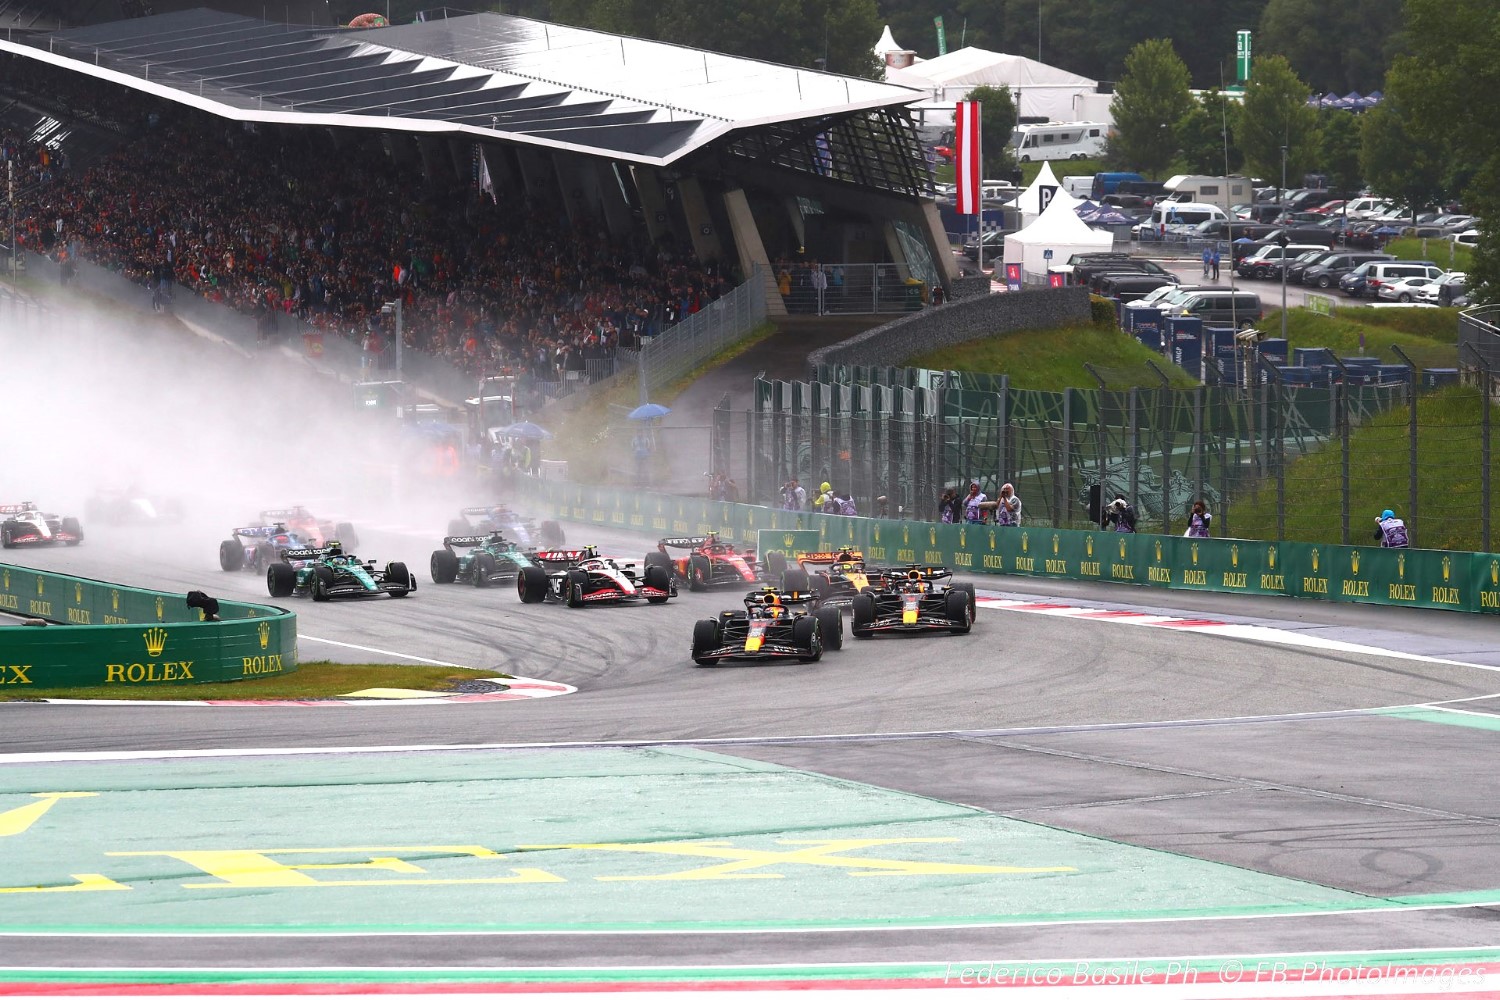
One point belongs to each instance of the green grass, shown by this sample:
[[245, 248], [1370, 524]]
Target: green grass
[[1053, 359], [1448, 477], [1443, 253], [1428, 336], [316, 679]]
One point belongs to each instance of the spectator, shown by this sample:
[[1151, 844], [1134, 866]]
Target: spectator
[[1119, 515], [1390, 531], [1008, 508], [950, 506], [793, 496], [973, 512], [1198, 521]]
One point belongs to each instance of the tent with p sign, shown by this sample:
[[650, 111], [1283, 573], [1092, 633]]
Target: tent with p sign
[[1058, 229]]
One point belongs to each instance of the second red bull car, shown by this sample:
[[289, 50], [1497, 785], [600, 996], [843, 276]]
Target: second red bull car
[[773, 626], [913, 599]]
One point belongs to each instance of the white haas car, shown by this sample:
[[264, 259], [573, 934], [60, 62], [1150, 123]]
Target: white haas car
[[580, 577], [26, 524]]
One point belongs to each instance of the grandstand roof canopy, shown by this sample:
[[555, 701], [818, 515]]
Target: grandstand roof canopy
[[489, 76]]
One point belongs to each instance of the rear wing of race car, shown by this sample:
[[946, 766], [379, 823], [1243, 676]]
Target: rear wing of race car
[[763, 597], [282, 514], [17, 508], [829, 558], [465, 541], [928, 573], [560, 555], [682, 542], [299, 555], [480, 511], [260, 530]]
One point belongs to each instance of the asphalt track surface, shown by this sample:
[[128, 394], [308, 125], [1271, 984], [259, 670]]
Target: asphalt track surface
[[1260, 756]]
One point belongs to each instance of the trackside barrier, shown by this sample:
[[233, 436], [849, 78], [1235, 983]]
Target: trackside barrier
[[106, 635], [1423, 578]]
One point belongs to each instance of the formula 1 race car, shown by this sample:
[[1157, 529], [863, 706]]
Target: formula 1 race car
[[912, 600], [498, 517], [315, 531], [488, 559], [258, 546], [328, 572], [26, 524], [835, 577], [117, 506], [773, 626], [581, 577], [705, 562]]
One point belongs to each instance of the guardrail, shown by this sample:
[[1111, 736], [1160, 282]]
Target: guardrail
[[1426, 578], [103, 635]]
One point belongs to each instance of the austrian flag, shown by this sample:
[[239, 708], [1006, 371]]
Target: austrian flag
[[968, 163]]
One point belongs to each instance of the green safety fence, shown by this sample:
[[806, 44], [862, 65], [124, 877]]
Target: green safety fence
[[103, 634], [1423, 578]]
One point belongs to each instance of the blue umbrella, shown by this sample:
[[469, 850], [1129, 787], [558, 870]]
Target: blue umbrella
[[526, 429], [649, 411]]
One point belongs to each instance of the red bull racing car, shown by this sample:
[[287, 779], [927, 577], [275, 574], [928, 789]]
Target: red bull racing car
[[25, 524], [913, 599], [835, 577], [704, 561], [773, 626], [580, 577]]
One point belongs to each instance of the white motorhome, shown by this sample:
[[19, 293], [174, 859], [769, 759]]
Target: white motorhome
[[1059, 141], [1176, 217], [1226, 192]]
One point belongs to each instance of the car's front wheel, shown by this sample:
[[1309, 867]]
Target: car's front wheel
[[321, 583], [831, 624], [484, 568], [281, 579], [444, 566], [705, 640], [231, 555], [397, 572]]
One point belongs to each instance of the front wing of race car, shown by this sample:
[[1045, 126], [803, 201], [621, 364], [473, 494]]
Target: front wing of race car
[[741, 639], [899, 612]]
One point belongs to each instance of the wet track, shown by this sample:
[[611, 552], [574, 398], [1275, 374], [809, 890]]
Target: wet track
[[1083, 726]]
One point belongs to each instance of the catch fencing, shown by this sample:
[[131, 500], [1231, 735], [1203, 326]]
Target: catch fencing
[[906, 434], [850, 289]]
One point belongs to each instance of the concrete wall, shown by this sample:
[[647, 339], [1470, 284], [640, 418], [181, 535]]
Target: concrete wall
[[957, 323]]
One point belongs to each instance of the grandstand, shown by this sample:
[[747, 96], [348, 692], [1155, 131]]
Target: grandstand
[[735, 160]]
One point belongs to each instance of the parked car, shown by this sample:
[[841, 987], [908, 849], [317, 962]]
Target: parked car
[[1453, 289], [1267, 261], [1295, 267], [1327, 272], [993, 242], [1467, 238], [1222, 306], [1130, 286], [1367, 279], [1407, 289]]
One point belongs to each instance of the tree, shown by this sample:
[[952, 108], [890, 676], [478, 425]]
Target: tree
[[1339, 150], [1201, 135], [1276, 114], [997, 120], [1369, 32], [1398, 166], [1150, 99]]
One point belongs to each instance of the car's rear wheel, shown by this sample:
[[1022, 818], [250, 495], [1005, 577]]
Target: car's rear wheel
[[658, 558], [805, 634], [862, 616], [263, 555], [699, 572], [397, 572], [5, 538], [281, 580], [1403, 297], [70, 526], [1324, 281], [831, 623], [659, 577], [531, 585], [231, 555], [956, 608], [484, 567], [968, 589], [578, 581], [322, 580], [820, 585], [775, 564], [444, 566], [705, 640], [795, 580]]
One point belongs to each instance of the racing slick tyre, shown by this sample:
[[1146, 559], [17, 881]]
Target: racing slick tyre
[[70, 526], [657, 558], [484, 567], [577, 581], [263, 556], [444, 566], [699, 572], [281, 580], [795, 580], [775, 564], [459, 527], [231, 555], [705, 639], [659, 577], [805, 634], [819, 584], [552, 534], [831, 625], [862, 616], [322, 579], [956, 608], [968, 588], [347, 538], [531, 585], [397, 572], [5, 539]]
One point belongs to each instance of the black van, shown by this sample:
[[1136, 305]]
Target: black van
[[1326, 273], [1220, 307], [1129, 286]]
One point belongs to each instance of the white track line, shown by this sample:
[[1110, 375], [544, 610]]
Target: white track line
[[383, 652]]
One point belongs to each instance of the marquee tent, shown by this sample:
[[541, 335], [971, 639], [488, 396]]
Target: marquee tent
[[1057, 229], [1040, 90], [1030, 200]]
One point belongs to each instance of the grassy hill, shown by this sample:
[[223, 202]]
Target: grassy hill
[[1428, 336]]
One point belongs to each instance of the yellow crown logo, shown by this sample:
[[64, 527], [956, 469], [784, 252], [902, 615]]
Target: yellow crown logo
[[1025, 542], [39, 581], [1122, 547], [156, 640], [265, 634], [1158, 548], [905, 535], [962, 540], [1195, 553], [7, 579], [876, 532], [1315, 560], [1401, 565], [1354, 562], [1054, 543], [1495, 572], [1271, 557], [931, 536], [161, 608], [1447, 567], [1234, 556], [787, 540], [1088, 545], [992, 541], [77, 593], [114, 600]]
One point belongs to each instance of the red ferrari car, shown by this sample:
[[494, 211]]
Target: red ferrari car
[[705, 561]]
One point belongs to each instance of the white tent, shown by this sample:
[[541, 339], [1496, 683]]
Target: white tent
[[1030, 200], [1058, 229], [1040, 90]]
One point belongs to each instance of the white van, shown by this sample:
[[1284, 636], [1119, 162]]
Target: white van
[[1177, 217], [1059, 141], [1079, 186]]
